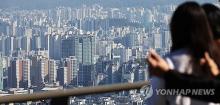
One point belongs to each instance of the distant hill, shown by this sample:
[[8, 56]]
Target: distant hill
[[40, 4]]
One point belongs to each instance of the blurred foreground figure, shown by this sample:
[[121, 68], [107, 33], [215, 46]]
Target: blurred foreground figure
[[191, 36]]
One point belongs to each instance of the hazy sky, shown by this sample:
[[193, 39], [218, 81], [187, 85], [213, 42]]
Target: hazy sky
[[29, 4]]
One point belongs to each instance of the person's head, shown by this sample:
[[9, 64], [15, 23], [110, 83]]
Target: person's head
[[213, 15], [190, 29]]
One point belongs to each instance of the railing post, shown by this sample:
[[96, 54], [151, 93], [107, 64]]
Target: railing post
[[60, 101]]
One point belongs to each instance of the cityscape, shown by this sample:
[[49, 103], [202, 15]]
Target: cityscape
[[88, 45]]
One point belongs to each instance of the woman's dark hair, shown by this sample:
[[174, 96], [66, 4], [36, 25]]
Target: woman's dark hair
[[213, 15], [190, 29]]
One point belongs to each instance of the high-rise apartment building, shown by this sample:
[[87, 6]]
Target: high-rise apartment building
[[39, 70], [52, 71], [83, 47], [68, 73], [19, 73], [1, 74]]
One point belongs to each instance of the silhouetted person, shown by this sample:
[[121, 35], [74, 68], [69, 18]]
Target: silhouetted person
[[191, 38], [213, 15]]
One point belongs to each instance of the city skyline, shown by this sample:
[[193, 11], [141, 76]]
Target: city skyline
[[64, 46]]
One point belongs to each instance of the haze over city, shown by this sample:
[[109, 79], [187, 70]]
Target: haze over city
[[62, 44], [40, 4]]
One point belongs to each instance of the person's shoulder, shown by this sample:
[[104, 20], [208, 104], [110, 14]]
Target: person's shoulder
[[174, 58], [178, 59], [181, 53]]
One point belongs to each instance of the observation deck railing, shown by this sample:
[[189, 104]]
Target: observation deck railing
[[61, 97]]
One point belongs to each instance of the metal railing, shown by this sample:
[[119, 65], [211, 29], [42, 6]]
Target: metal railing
[[61, 97]]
